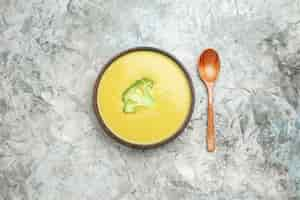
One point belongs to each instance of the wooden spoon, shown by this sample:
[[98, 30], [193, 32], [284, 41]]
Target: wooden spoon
[[209, 67]]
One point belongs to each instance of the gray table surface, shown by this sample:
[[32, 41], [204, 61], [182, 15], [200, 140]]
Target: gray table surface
[[52, 148]]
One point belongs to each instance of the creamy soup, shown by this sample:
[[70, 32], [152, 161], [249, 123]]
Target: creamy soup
[[171, 95]]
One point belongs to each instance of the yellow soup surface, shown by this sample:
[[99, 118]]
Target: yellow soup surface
[[171, 92]]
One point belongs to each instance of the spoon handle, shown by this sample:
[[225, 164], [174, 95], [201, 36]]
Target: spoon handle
[[210, 137]]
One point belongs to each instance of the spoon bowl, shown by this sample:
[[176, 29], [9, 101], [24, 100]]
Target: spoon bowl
[[209, 66]]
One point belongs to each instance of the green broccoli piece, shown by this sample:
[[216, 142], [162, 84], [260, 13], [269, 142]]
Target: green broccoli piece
[[138, 94]]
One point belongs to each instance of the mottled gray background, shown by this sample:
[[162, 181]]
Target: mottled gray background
[[52, 148]]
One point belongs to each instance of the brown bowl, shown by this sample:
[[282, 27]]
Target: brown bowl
[[134, 145]]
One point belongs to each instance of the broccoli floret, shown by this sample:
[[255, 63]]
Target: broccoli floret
[[138, 94]]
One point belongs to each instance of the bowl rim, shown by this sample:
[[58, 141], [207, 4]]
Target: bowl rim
[[110, 133]]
